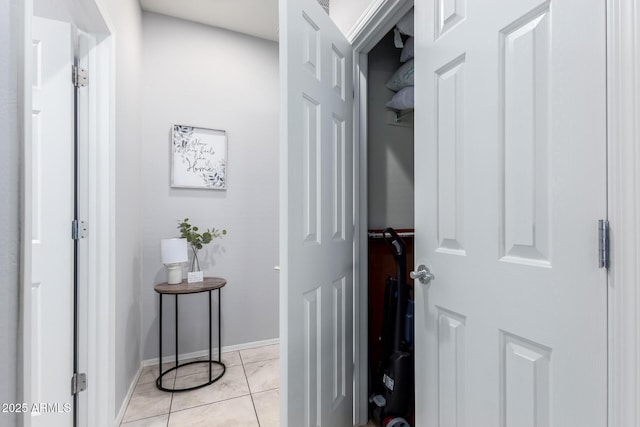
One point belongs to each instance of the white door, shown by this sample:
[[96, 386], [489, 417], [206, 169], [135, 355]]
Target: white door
[[316, 211], [510, 184], [52, 248]]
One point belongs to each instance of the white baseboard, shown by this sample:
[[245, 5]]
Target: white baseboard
[[127, 398], [201, 353]]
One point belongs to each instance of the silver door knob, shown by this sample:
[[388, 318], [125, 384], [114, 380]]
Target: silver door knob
[[423, 274]]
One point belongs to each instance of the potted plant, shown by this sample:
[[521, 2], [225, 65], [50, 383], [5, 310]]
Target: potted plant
[[197, 240]]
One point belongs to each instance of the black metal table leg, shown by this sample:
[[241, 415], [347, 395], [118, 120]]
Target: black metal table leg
[[210, 350], [177, 330], [186, 289], [219, 326], [160, 350]]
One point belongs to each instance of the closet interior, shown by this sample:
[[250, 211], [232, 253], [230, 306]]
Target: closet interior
[[390, 184]]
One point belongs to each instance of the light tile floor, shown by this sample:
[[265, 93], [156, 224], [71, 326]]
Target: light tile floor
[[246, 396]]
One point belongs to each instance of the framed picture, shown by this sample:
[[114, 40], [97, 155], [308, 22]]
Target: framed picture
[[198, 158]]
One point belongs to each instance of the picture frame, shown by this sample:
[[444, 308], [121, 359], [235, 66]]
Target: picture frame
[[198, 158]]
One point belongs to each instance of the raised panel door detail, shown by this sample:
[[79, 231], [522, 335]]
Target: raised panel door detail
[[36, 54], [450, 146], [36, 137], [338, 72], [339, 177], [36, 180], [313, 357], [451, 361], [525, 388], [311, 169], [525, 105], [339, 311], [37, 347], [311, 46], [449, 13]]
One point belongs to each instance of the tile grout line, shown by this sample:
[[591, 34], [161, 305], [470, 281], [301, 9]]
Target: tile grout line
[[253, 403], [171, 403], [255, 411], [268, 359], [172, 393], [209, 403], [123, 423]]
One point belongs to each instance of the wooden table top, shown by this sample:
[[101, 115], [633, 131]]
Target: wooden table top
[[209, 284]]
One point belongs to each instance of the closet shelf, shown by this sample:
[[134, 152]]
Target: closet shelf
[[380, 235]]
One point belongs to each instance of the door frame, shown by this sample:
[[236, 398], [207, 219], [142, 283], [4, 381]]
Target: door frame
[[98, 179], [376, 21], [623, 124]]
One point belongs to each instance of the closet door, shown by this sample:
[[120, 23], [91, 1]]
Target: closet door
[[316, 218], [51, 310], [510, 172]]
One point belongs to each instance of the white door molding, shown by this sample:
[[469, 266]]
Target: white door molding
[[624, 211], [100, 208], [99, 183], [378, 19]]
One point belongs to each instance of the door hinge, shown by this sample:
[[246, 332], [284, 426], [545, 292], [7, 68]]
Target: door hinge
[[78, 383], [80, 77], [603, 243], [79, 229]]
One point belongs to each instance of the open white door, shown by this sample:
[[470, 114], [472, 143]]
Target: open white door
[[52, 207], [510, 184], [316, 218]]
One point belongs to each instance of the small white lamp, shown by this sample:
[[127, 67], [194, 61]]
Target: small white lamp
[[174, 254]]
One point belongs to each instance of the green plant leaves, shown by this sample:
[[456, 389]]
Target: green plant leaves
[[194, 238]]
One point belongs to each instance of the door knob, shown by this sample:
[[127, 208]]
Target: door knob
[[423, 274]]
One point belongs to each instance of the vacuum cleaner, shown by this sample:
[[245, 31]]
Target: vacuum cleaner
[[393, 396]]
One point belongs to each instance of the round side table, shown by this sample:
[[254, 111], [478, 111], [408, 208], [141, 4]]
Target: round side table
[[209, 285]]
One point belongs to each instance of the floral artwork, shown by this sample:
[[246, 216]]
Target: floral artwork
[[199, 158]]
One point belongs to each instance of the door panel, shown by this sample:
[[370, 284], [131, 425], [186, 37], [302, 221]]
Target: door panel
[[317, 259], [510, 184], [52, 250]]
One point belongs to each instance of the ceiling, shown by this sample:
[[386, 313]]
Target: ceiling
[[257, 18]]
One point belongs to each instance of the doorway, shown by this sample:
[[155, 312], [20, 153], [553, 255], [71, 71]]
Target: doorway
[[390, 201], [376, 209]]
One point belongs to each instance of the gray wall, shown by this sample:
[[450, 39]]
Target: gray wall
[[390, 148], [125, 16], [9, 207], [208, 77]]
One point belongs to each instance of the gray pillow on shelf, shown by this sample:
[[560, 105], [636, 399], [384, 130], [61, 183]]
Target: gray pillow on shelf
[[403, 100], [405, 25], [407, 50], [403, 77]]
